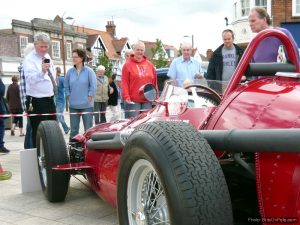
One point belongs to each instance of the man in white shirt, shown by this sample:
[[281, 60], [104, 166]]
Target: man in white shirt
[[40, 82]]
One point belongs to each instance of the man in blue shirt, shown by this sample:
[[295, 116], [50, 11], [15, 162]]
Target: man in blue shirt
[[185, 69]]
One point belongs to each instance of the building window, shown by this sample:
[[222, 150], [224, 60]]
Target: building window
[[23, 44], [245, 8], [56, 49], [69, 50], [296, 7], [262, 3]]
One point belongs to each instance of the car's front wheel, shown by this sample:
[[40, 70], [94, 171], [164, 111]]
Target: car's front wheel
[[51, 151], [168, 174]]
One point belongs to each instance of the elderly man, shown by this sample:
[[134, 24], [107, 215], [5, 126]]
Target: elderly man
[[267, 50], [40, 83], [185, 69]]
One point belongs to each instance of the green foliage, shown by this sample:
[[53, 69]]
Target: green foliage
[[158, 51], [103, 60]]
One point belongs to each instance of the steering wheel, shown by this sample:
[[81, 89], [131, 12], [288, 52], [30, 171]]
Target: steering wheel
[[212, 96]]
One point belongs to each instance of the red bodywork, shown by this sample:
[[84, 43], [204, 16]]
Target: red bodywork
[[270, 102]]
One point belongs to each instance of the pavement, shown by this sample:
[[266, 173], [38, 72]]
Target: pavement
[[81, 206]]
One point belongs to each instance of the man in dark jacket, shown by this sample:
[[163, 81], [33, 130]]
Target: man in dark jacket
[[224, 59]]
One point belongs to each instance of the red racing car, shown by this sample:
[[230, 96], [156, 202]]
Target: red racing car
[[197, 157]]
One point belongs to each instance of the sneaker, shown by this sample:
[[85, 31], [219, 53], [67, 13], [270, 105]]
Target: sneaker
[[4, 150]]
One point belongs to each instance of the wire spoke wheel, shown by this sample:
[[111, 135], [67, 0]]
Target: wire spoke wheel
[[146, 199]]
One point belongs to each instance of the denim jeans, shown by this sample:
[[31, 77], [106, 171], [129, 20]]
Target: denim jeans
[[136, 107], [60, 117], [75, 120]]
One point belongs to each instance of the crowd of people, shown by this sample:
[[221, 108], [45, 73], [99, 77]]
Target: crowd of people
[[44, 90]]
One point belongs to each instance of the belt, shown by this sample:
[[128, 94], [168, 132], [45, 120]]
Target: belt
[[51, 97]]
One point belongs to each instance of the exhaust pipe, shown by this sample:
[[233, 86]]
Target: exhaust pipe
[[261, 140]]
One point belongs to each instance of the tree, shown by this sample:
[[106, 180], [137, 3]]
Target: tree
[[103, 60], [159, 55]]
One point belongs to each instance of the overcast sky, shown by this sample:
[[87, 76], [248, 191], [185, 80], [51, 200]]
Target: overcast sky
[[168, 20]]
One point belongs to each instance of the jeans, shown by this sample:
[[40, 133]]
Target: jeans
[[60, 117], [136, 107], [75, 120], [28, 136], [100, 107]]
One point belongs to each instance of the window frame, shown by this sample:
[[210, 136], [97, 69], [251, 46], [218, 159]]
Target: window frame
[[23, 46], [295, 3], [56, 53], [246, 2], [69, 50]]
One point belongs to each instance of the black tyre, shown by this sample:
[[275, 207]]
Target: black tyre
[[168, 174], [51, 150]]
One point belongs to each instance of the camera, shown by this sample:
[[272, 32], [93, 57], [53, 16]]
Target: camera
[[46, 60]]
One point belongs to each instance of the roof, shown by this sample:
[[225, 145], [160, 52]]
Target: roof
[[6, 31], [113, 45]]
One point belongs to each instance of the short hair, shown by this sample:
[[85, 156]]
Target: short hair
[[138, 43], [101, 67], [186, 45], [15, 78], [228, 31], [81, 53], [129, 51], [58, 69], [262, 13], [42, 37], [113, 77]]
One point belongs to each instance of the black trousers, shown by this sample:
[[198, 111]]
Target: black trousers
[[40, 105]]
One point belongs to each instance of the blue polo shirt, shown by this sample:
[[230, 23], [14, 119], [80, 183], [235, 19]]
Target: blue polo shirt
[[181, 70]]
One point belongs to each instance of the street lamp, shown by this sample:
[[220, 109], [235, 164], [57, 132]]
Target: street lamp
[[192, 36], [63, 41], [63, 47], [226, 21]]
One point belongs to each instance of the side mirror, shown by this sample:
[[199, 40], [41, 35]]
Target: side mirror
[[149, 92]]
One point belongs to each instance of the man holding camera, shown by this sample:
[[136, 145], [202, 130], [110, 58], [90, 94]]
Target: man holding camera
[[40, 83]]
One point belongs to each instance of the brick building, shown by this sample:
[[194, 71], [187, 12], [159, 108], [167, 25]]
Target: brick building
[[13, 42], [284, 13]]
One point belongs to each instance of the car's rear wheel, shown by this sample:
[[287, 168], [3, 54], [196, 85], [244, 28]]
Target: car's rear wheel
[[51, 150], [168, 174]]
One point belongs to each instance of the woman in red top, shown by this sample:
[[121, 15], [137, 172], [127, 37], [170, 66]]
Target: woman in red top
[[137, 72]]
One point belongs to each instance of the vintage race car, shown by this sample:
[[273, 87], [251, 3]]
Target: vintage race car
[[197, 157]]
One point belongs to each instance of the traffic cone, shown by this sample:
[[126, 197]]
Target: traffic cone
[[4, 175]]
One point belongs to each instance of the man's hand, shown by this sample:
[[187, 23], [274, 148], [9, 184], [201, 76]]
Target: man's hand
[[198, 76], [45, 67], [90, 98]]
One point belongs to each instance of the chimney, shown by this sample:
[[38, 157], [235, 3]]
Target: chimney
[[209, 53], [111, 28]]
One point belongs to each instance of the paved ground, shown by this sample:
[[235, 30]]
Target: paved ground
[[82, 206]]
